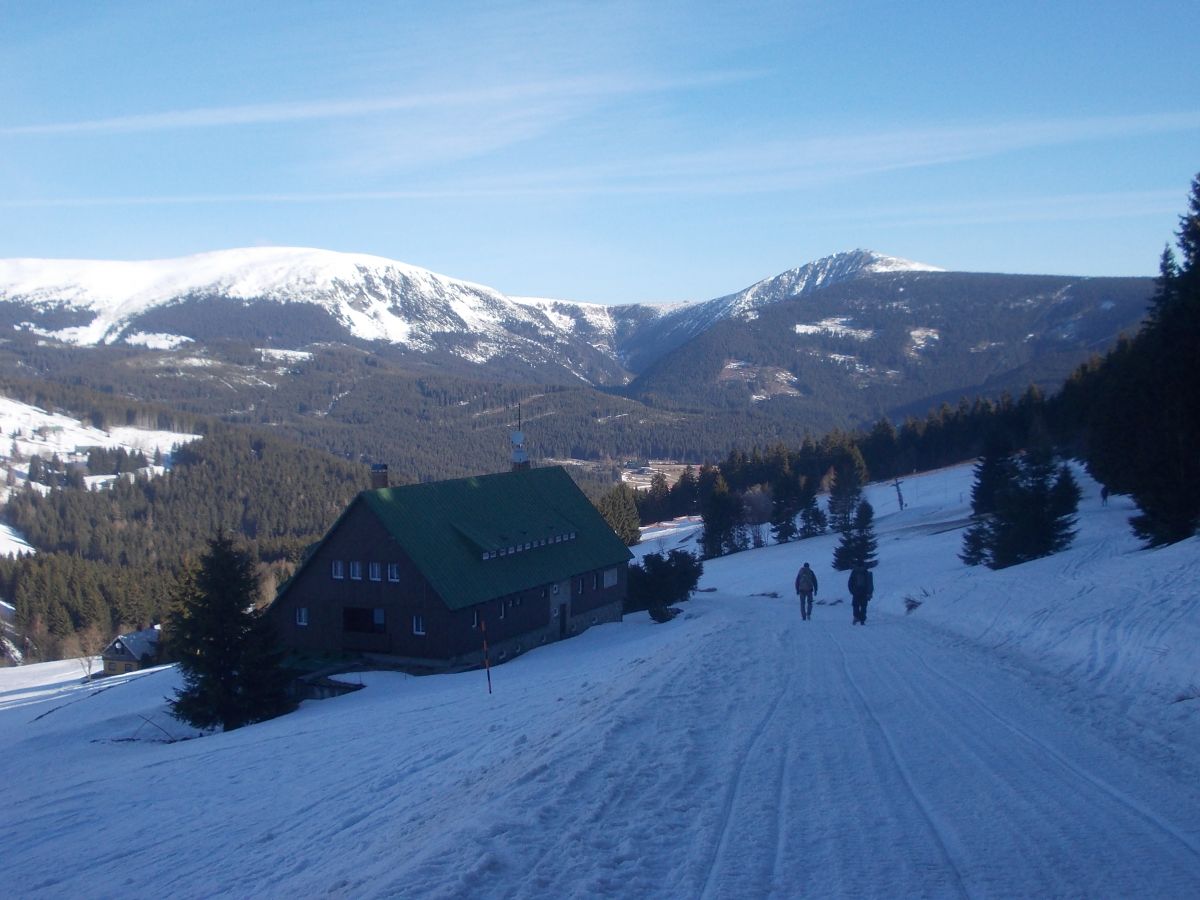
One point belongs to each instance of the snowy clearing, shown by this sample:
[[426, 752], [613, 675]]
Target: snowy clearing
[[1021, 733]]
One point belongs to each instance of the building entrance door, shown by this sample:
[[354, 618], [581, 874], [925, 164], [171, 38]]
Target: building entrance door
[[562, 620]]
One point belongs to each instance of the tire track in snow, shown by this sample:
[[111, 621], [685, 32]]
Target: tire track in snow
[[735, 789], [923, 804], [1103, 786]]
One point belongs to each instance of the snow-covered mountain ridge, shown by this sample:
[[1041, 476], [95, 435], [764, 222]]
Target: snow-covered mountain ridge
[[372, 298]]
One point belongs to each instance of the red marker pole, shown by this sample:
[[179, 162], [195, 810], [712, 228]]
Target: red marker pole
[[486, 665]]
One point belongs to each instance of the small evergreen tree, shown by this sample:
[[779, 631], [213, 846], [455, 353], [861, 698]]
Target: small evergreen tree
[[1034, 514], [993, 472], [858, 544], [785, 507], [231, 671], [721, 510], [849, 475], [658, 581], [685, 494], [812, 518], [619, 509]]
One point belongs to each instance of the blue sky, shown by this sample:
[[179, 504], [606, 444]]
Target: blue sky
[[603, 151]]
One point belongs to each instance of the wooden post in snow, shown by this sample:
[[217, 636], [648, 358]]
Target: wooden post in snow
[[486, 665]]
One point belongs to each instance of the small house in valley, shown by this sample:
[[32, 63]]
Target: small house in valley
[[132, 651], [420, 574]]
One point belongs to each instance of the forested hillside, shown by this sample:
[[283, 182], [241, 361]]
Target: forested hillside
[[109, 558]]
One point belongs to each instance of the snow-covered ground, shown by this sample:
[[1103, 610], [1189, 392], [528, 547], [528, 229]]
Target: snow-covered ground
[[1025, 733], [27, 431]]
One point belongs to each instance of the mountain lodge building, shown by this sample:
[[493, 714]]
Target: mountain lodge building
[[413, 575]]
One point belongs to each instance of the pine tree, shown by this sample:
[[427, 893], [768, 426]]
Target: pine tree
[[812, 518], [655, 503], [1143, 400], [850, 473], [721, 510], [685, 494], [619, 509], [992, 473], [1033, 515], [785, 506], [231, 673], [858, 544]]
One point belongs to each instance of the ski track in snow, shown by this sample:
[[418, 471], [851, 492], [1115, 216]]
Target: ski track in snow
[[1016, 736]]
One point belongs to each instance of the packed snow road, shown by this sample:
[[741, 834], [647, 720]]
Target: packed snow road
[[782, 758], [739, 752]]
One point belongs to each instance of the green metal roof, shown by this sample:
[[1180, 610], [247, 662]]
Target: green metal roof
[[478, 538]]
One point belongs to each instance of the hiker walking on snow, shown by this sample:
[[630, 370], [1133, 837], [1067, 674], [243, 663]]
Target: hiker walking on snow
[[806, 589], [862, 586]]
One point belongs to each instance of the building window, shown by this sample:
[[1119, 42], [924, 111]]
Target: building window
[[356, 570], [363, 620], [418, 624], [554, 588], [610, 578], [502, 607], [375, 571], [475, 619], [301, 615], [393, 571], [595, 580], [339, 569]]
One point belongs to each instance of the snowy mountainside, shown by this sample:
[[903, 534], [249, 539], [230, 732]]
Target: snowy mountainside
[[732, 752], [91, 302], [792, 284], [680, 323], [835, 341], [368, 298]]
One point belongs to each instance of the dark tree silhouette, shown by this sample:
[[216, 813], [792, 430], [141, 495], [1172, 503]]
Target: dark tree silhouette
[[231, 671]]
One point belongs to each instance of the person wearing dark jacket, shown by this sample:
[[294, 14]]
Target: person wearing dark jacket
[[862, 586], [806, 589]]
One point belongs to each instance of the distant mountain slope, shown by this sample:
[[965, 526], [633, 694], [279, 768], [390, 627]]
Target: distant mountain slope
[[835, 342], [682, 323], [896, 342], [260, 292], [295, 296]]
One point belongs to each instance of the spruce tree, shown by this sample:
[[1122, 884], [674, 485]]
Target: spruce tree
[[721, 510], [812, 518], [1143, 401], [858, 544], [619, 509], [1033, 516], [850, 473], [231, 672], [992, 473], [785, 506]]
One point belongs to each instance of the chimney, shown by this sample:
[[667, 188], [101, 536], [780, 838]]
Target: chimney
[[379, 476], [520, 460]]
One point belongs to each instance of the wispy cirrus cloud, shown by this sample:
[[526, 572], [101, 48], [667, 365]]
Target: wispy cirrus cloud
[[745, 167], [596, 87], [792, 164]]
